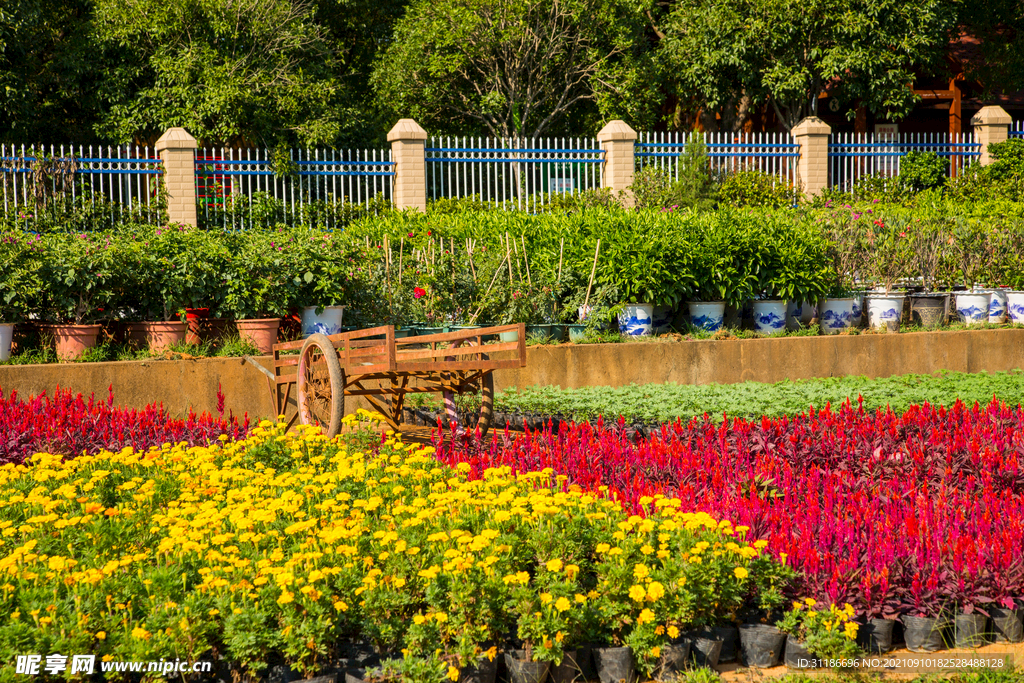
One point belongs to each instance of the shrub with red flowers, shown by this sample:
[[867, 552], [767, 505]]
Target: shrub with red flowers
[[72, 425], [895, 514]]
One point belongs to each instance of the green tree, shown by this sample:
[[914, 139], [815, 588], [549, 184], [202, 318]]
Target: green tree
[[261, 71], [516, 68], [790, 51]]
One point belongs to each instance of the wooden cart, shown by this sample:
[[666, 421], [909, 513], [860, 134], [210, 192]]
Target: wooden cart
[[383, 369]]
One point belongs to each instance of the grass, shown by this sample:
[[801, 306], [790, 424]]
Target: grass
[[656, 403], [1009, 675]]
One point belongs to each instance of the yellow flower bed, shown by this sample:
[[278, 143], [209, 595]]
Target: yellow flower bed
[[289, 545]]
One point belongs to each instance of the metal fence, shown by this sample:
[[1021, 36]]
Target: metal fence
[[773, 153], [83, 183], [243, 187], [1017, 129], [510, 172], [852, 156]]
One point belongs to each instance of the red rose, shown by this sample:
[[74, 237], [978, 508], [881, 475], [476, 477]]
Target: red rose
[[418, 292]]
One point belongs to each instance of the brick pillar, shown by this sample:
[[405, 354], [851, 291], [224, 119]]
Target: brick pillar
[[812, 168], [407, 140], [617, 140], [177, 149], [991, 124]]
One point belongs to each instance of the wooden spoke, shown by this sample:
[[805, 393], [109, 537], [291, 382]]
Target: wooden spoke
[[321, 381]]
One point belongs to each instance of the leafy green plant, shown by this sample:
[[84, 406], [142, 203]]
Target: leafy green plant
[[695, 185], [652, 187], [923, 170], [20, 284], [755, 188], [827, 634], [79, 274]]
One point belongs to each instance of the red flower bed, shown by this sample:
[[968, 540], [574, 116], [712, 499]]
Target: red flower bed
[[72, 425], [906, 513]]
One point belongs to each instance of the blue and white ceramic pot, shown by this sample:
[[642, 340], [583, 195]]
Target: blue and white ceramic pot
[[884, 310], [662, 319], [770, 316], [972, 307], [857, 312], [637, 320], [1015, 307], [707, 315], [800, 313], [997, 306], [836, 315], [328, 322]]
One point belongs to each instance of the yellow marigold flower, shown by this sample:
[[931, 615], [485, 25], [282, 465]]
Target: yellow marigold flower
[[285, 598], [646, 616], [441, 617], [571, 570], [810, 602], [655, 651], [140, 633], [673, 632], [655, 591], [101, 635], [602, 547], [554, 565], [340, 606], [581, 599], [740, 573], [637, 593], [545, 598], [640, 571], [562, 604], [453, 673]]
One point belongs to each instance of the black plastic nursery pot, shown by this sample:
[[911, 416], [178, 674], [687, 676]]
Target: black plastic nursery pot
[[615, 664], [486, 671], [569, 669], [522, 671], [875, 636], [585, 660], [673, 660], [1007, 624], [761, 645], [969, 630], [924, 634], [798, 656], [730, 637], [705, 648]]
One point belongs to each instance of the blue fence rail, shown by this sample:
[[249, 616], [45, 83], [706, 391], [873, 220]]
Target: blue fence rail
[[855, 155], [108, 180], [240, 187], [1017, 129], [524, 174]]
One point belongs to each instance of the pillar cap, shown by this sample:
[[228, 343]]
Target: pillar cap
[[406, 129], [176, 138], [991, 116], [811, 125], [616, 130]]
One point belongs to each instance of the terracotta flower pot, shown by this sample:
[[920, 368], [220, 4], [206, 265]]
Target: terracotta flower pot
[[195, 317], [135, 334], [74, 340], [160, 336], [262, 332]]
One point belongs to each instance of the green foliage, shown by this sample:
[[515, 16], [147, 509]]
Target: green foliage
[[1009, 160], [20, 284], [651, 187], [695, 185], [755, 188], [923, 170], [657, 403]]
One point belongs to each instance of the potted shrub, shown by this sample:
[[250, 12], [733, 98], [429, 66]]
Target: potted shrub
[[721, 270], [257, 289], [78, 275], [929, 245], [20, 286], [203, 260], [162, 275], [322, 273], [792, 267], [848, 253], [890, 262], [968, 246]]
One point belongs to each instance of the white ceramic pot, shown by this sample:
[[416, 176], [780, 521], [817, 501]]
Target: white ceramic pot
[[857, 311], [584, 312], [884, 310], [637, 320], [6, 337], [1015, 307], [997, 306], [328, 322], [770, 316], [972, 307], [800, 314], [836, 315], [707, 315]]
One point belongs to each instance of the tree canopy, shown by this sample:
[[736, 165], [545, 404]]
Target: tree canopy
[[340, 72]]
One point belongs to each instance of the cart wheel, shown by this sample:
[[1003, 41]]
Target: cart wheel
[[321, 385], [484, 387]]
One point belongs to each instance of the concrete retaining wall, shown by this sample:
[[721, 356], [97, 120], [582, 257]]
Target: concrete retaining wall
[[185, 384]]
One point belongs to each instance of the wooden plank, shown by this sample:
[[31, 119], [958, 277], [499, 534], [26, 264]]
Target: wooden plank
[[449, 366], [285, 362], [490, 349], [287, 379]]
